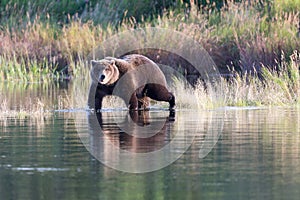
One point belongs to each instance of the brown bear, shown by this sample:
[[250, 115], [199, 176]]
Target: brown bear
[[133, 77]]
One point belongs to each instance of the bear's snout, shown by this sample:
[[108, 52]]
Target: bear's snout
[[102, 77]]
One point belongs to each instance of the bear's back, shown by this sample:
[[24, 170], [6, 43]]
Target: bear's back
[[136, 60]]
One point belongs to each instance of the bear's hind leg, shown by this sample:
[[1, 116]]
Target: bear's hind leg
[[171, 101], [161, 93]]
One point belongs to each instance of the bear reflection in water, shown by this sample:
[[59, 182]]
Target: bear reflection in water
[[109, 134]]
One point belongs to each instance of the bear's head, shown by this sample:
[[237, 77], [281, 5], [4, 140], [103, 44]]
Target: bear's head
[[104, 71]]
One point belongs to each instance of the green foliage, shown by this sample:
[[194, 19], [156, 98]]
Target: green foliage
[[114, 11], [287, 5], [11, 11], [57, 9]]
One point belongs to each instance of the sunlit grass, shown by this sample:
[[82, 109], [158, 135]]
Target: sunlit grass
[[270, 88]]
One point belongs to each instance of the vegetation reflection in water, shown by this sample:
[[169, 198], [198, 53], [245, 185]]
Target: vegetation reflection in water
[[256, 156]]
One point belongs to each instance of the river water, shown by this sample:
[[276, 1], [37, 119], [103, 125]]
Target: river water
[[225, 153]]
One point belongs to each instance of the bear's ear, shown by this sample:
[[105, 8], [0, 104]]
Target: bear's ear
[[109, 58], [104, 62], [121, 64], [94, 62]]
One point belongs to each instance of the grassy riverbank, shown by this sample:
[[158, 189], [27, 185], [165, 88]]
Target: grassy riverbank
[[258, 44]]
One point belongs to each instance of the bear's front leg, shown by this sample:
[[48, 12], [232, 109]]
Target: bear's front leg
[[98, 99], [95, 98], [98, 103], [133, 102]]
